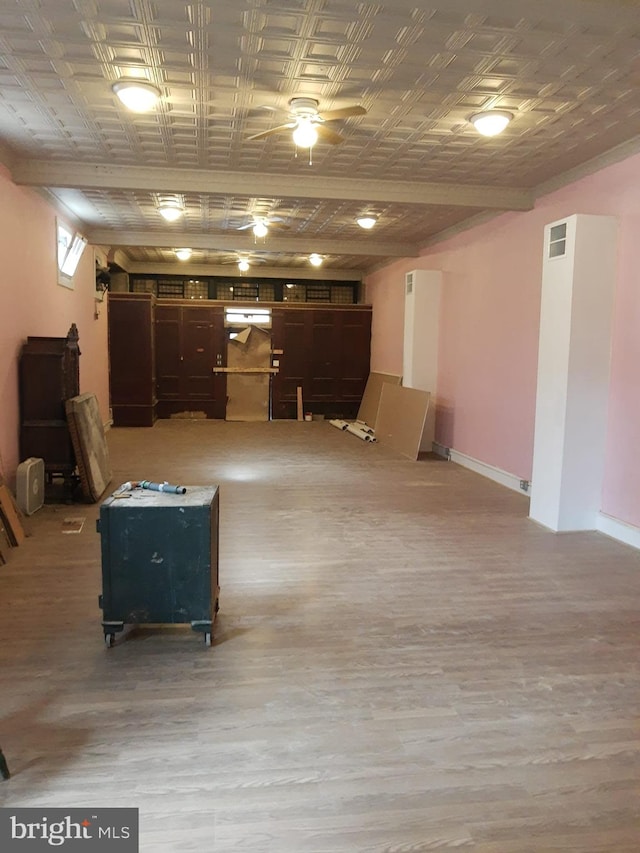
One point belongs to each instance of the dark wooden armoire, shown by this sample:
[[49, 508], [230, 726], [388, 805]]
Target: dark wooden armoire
[[49, 374]]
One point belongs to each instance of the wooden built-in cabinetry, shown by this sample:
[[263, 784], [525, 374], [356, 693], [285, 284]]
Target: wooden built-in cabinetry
[[326, 352], [164, 354]]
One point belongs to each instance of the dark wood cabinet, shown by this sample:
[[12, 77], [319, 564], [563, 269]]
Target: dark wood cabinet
[[132, 381], [327, 352], [190, 342], [49, 374]]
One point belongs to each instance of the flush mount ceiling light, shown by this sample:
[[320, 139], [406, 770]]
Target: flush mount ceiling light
[[170, 210], [491, 122], [315, 260], [243, 265], [183, 254], [367, 221], [137, 95]]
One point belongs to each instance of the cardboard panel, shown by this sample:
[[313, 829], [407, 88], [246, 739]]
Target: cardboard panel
[[368, 411], [89, 444], [401, 419], [248, 393]]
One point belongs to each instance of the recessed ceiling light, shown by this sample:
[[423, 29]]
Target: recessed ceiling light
[[170, 210], [315, 260], [183, 254], [491, 122], [367, 221], [137, 95]]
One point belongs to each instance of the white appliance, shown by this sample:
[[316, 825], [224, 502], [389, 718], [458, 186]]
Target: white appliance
[[30, 485]]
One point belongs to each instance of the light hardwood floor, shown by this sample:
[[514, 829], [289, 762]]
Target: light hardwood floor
[[403, 662]]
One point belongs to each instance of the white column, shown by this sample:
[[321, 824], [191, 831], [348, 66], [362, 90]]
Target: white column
[[578, 280], [423, 289]]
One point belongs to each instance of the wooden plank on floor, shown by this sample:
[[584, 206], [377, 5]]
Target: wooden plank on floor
[[10, 517], [299, 409]]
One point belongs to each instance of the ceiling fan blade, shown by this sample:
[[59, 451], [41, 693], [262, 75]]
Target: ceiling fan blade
[[244, 227], [345, 112], [328, 135], [279, 129]]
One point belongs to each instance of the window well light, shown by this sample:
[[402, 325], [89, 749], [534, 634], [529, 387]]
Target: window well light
[[137, 95], [170, 210], [183, 254], [243, 265], [491, 122], [260, 229], [367, 221], [305, 135], [315, 260]]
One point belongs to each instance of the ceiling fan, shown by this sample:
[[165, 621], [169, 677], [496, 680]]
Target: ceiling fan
[[244, 260], [309, 125], [261, 224]]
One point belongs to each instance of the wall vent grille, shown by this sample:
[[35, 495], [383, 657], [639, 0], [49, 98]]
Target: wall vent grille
[[557, 240]]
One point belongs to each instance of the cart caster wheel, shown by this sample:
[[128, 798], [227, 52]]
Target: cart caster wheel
[[109, 640], [207, 638]]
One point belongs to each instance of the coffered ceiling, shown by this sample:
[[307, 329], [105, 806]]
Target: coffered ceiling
[[568, 70]]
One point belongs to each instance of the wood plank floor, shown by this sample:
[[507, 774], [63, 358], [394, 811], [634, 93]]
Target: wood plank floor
[[403, 662]]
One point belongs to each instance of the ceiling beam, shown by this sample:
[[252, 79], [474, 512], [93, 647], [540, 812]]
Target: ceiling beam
[[154, 179], [231, 271], [243, 242]]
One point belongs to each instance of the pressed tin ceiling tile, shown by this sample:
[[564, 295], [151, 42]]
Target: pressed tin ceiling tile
[[569, 71]]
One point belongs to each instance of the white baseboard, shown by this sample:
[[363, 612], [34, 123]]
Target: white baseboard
[[496, 474], [613, 527], [620, 530]]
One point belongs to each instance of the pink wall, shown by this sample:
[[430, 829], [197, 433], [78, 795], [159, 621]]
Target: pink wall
[[489, 332], [32, 303]]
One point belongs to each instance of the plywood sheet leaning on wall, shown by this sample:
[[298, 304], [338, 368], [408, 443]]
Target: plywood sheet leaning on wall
[[248, 393], [401, 419], [370, 403], [89, 445]]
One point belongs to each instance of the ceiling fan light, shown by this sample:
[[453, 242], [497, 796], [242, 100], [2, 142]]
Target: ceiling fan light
[[137, 95], [491, 122], [315, 260], [183, 254], [170, 210], [367, 221], [260, 229], [305, 135], [243, 265]]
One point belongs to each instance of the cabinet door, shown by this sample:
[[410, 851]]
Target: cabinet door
[[168, 352], [289, 335], [198, 353], [324, 362], [355, 354], [189, 344]]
